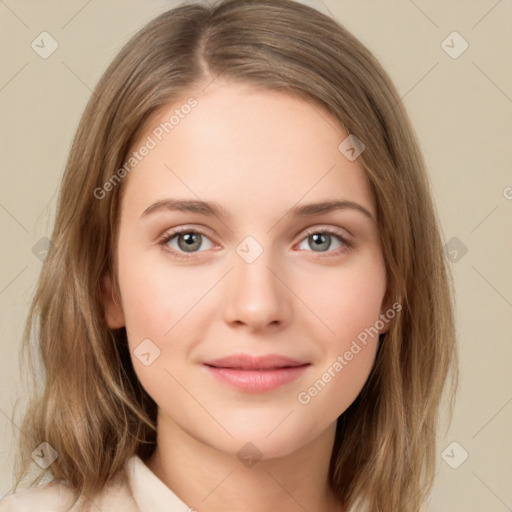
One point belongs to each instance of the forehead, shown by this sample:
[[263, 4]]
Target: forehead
[[244, 147]]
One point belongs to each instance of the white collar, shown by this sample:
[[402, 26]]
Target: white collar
[[149, 492]]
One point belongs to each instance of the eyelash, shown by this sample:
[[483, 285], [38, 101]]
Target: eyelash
[[168, 236]]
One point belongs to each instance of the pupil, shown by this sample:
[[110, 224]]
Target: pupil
[[321, 238], [189, 239]]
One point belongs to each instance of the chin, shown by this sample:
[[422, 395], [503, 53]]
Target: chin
[[270, 439]]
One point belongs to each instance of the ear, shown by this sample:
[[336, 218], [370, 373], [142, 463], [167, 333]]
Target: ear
[[113, 311], [387, 324]]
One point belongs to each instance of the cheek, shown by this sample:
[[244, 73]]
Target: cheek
[[335, 312], [348, 308], [158, 304], [347, 355], [347, 303], [164, 309], [157, 297]]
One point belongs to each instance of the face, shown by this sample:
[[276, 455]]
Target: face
[[255, 274]]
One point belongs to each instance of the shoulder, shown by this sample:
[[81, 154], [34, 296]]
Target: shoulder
[[55, 497], [59, 497]]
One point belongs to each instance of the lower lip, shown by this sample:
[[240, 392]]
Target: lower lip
[[257, 381]]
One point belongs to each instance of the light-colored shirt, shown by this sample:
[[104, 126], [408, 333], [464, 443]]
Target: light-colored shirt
[[142, 491]]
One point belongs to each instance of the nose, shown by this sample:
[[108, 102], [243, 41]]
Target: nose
[[256, 294]]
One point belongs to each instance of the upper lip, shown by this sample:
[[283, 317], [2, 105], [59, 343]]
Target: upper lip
[[248, 362]]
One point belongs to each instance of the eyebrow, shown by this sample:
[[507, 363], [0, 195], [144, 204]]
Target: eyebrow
[[214, 209]]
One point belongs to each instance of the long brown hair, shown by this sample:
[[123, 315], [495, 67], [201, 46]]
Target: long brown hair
[[90, 406]]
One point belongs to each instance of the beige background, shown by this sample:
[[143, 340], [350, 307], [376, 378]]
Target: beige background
[[461, 108]]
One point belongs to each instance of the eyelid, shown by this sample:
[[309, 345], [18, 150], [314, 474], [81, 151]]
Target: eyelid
[[186, 228], [347, 241], [342, 233]]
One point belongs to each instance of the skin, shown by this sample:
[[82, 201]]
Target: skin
[[257, 153]]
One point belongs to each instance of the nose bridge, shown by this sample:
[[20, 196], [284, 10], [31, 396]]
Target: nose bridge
[[257, 297]]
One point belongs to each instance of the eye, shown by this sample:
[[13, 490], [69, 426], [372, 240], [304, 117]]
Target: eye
[[185, 240], [322, 241]]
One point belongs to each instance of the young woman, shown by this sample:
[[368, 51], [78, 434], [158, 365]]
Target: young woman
[[246, 305]]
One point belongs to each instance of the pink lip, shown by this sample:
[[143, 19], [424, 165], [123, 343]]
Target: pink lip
[[256, 374]]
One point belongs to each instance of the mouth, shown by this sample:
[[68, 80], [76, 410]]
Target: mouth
[[256, 374]]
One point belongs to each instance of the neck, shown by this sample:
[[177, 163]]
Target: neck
[[206, 479]]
